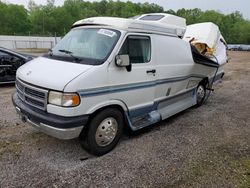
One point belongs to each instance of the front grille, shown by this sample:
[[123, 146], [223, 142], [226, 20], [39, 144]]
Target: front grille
[[32, 92], [31, 95]]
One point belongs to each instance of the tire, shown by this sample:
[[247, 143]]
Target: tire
[[201, 94], [104, 132]]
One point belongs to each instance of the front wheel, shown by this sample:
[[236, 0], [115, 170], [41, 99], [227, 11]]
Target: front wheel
[[104, 131]]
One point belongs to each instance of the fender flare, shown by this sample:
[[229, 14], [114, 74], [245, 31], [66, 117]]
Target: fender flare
[[108, 103]]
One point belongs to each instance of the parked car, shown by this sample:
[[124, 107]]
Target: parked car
[[108, 73], [10, 61], [239, 47]]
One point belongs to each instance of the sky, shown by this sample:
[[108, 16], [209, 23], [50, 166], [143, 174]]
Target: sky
[[224, 6]]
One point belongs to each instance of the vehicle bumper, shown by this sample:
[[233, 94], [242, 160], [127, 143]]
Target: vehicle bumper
[[57, 126]]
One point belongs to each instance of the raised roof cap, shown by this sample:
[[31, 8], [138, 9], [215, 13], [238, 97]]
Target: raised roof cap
[[156, 22]]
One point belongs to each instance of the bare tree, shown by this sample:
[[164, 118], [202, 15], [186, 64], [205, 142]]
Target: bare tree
[[32, 5], [50, 3]]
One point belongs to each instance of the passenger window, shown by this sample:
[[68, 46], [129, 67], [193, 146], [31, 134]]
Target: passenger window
[[138, 48]]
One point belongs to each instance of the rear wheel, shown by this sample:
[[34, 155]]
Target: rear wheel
[[200, 94], [104, 132]]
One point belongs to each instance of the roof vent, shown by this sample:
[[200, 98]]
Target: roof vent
[[152, 17]]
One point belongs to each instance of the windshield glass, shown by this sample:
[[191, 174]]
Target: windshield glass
[[87, 44]]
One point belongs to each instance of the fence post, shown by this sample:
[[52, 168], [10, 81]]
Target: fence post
[[55, 39], [29, 40]]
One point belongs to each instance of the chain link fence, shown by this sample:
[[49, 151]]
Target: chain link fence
[[28, 42]]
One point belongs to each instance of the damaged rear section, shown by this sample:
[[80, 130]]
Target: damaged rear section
[[208, 45]]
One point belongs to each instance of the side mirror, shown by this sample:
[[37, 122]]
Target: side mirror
[[122, 60]]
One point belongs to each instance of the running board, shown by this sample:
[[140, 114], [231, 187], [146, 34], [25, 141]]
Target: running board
[[176, 104], [163, 109]]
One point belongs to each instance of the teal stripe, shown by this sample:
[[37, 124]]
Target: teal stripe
[[127, 87]]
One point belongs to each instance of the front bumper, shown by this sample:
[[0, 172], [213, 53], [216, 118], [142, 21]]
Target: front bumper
[[53, 125]]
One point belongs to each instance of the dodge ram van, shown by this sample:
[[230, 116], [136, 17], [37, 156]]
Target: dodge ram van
[[110, 73]]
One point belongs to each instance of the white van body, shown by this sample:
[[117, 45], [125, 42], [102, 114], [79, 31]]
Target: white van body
[[148, 93]]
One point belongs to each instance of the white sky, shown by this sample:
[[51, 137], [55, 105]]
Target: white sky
[[224, 6]]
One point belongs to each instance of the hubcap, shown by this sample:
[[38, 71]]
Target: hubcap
[[200, 93], [106, 131]]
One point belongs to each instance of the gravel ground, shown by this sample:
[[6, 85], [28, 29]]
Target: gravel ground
[[200, 147]]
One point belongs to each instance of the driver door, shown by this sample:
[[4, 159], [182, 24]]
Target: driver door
[[135, 85]]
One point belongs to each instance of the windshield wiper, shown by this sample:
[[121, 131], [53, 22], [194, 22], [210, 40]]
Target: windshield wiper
[[69, 53]]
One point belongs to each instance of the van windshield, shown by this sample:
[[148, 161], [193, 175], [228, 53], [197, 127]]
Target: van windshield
[[86, 45]]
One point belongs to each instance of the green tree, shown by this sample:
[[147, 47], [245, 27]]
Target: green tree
[[14, 19], [49, 19]]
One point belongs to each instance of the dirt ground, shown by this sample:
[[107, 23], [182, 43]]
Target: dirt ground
[[200, 147]]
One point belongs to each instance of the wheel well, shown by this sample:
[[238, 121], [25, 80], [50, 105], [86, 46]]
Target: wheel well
[[118, 107], [204, 81]]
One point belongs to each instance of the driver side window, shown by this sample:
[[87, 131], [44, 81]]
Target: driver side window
[[138, 48]]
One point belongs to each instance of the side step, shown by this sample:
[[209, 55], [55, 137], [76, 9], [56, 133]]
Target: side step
[[145, 120]]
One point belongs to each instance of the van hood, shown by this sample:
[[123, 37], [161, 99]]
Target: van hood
[[49, 73]]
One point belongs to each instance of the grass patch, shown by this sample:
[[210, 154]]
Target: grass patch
[[34, 50], [220, 166], [246, 165], [11, 147]]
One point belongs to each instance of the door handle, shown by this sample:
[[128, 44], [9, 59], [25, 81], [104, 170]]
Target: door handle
[[151, 71]]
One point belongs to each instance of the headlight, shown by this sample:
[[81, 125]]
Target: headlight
[[64, 99]]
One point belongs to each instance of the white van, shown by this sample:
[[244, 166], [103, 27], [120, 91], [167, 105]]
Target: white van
[[108, 73]]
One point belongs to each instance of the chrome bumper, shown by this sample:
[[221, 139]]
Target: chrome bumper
[[57, 126], [64, 134]]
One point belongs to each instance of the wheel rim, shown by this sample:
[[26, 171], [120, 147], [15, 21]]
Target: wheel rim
[[200, 92], [106, 131]]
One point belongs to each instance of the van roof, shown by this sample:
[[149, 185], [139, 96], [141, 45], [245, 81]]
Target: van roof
[[154, 22]]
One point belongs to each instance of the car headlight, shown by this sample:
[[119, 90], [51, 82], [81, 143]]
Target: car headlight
[[64, 99]]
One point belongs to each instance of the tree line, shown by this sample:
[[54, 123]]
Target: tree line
[[50, 19]]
